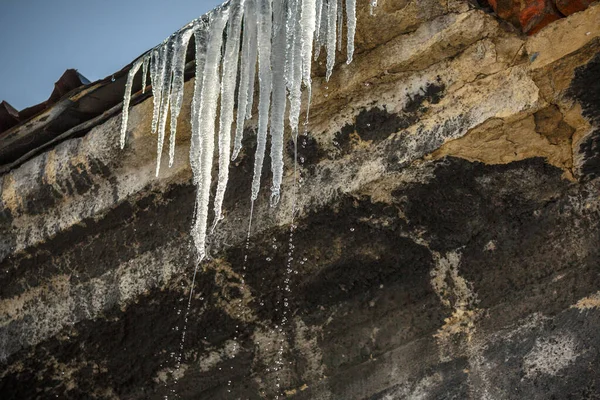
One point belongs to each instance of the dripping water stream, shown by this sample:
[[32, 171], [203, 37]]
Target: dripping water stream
[[288, 271], [282, 36], [241, 311], [372, 5], [177, 356], [184, 329]]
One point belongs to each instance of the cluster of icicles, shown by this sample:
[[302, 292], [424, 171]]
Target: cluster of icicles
[[277, 37]]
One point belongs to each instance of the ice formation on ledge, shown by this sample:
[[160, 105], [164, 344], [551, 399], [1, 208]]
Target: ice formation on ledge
[[276, 38]]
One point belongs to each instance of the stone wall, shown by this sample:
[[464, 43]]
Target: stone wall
[[446, 247]]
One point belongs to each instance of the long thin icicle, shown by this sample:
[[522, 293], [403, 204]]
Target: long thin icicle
[[278, 101], [253, 58], [308, 24], [351, 23], [127, 99], [201, 39], [178, 63], [290, 27], [340, 23], [207, 114], [230, 67], [166, 80], [247, 74], [321, 35], [156, 68], [295, 74], [264, 95], [145, 72], [331, 36], [319, 13]]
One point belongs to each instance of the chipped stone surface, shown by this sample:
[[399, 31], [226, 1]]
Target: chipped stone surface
[[446, 245]]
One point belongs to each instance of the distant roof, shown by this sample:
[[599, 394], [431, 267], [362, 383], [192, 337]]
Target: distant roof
[[75, 106], [69, 105], [10, 117]]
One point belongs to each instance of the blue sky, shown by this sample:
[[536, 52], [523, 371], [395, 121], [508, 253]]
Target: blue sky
[[40, 39]]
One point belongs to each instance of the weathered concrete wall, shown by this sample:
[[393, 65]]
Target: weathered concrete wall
[[446, 247]]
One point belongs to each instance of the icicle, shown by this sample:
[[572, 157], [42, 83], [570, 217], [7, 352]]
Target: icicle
[[340, 23], [290, 33], [247, 74], [282, 53], [228, 81], [156, 67], [278, 101], [351, 25], [166, 81], [253, 56], [264, 77], [178, 67], [331, 36], [127, 99], [207, 114], [295, 73], [308, 24], [321, 34], [145, 72], [319, 9], [201, 39]]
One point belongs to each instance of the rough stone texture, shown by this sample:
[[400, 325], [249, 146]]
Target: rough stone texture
[[446, 245]]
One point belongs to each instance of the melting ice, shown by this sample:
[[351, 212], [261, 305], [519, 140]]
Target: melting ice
[[274, 39]]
